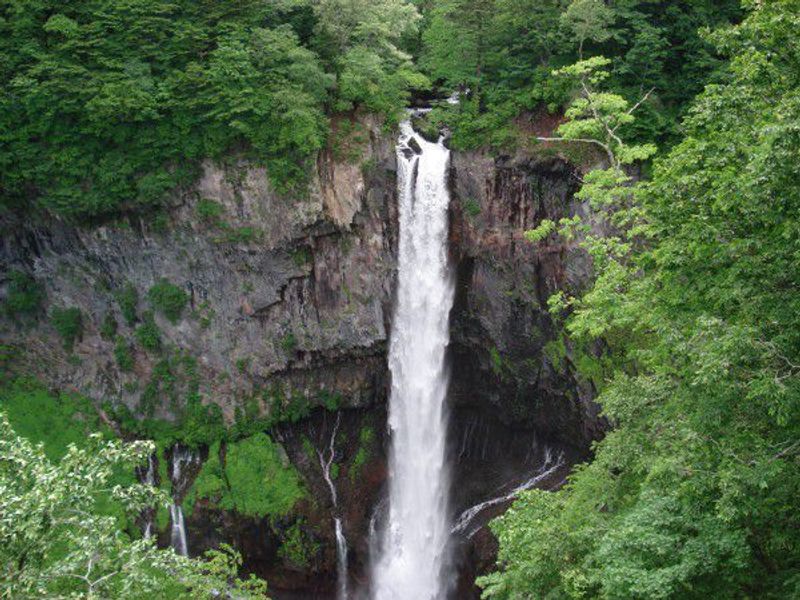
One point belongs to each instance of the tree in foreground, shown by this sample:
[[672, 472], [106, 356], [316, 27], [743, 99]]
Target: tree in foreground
[[693, 494], [56, 541]]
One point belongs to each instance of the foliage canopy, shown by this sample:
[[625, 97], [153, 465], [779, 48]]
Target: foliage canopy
[[693, 493]]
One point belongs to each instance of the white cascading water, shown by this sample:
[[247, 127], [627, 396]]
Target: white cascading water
[[341, 541], [180, 456], [341, 560], [178, 533], [462, 526], [414, 548]]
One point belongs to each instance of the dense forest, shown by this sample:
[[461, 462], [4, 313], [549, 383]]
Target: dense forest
[[688, 113]]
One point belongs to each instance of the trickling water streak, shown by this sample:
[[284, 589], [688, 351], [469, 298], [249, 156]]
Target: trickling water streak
[[325, 464], [149, 479], [465, 519], [180, 457], [341, 541], [341, 560], [414, 549], [178, 534]]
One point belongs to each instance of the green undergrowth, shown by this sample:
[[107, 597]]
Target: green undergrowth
[[54, 420], [58, 421], [298, 548], [168, 299], [246, 471], [128, 299], [366, 439], [252, 477], [68, 322], [24, 296]]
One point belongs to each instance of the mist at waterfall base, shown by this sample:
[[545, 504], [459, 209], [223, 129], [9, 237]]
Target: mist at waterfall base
[[413, 552]]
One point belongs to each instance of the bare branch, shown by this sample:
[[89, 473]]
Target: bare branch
[[642, 101]]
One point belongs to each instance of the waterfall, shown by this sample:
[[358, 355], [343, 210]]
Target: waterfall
[[341, 541], [341, 560], [178, 534], [180, 457], [414, 548], [149, 479]]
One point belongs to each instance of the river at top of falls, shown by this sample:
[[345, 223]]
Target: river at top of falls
[[413, 553]]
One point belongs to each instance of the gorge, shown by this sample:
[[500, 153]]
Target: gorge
[[298, 319]]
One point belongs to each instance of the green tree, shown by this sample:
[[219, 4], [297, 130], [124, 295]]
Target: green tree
[[363, 41], [457, 41], [595, 118], [589, 20], [56, 544], [262, 86], [692, 494]]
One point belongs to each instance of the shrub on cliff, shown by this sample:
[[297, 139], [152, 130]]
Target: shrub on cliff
[[128, 299], [24, 296], [68, 322], [253, 480], [148, 333], [123, 354], [168, 299]]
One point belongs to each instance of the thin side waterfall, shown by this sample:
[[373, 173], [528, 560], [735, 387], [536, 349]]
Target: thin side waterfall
[[341, 541], [180, 456], [178, 533], [341, 561], [150, 479], [415, 543], [463, 523]]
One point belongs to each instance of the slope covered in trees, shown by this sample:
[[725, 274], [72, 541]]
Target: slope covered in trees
[[503, 52], [107, 106]]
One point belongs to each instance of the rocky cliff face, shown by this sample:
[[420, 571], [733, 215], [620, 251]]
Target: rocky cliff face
[[515, 393], [283, 287], [296, 294], [504, 357]]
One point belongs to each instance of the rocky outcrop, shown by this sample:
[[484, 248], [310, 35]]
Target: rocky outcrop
[[289, 288], [508, 358]]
